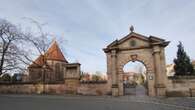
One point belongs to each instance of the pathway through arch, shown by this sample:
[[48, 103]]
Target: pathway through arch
[[134, 79]]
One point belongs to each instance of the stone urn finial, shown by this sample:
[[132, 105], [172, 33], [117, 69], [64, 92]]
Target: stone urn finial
[[131, 28]]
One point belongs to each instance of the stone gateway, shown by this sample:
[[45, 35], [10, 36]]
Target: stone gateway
[[136, 47]]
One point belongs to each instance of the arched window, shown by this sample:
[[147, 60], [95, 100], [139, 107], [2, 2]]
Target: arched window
[[57, 71]]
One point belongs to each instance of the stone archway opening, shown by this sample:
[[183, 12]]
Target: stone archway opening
[[135, 78], [134, 46]]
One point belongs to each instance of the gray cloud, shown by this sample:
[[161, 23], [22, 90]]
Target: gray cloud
[[89, 25]]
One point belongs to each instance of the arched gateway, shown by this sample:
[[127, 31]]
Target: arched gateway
[[137, 47]]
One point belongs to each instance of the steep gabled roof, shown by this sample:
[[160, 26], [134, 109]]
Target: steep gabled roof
[[53, 53]]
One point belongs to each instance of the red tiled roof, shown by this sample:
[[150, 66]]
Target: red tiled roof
[[53, 53]]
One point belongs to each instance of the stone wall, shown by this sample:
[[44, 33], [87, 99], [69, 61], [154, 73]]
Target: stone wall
[[180, 87], [94, 89], [32, 88], [60, 88], [55, 89], [175, 88], [19, 88]]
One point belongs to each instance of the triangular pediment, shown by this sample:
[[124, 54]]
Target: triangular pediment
[[135, 40]]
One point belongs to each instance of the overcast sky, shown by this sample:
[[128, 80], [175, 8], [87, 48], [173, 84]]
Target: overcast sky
[[136, 67], [90, 25]]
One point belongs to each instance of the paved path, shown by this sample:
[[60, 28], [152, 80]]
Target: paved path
[[46, 102], [139, 90]]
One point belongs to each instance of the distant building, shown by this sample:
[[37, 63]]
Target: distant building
[[24, 78], [89, 76], [20, 77], [128, 76], [170, 70], [86, 77], [193, 63]]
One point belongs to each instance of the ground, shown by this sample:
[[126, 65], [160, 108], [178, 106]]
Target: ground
[[52, 102]]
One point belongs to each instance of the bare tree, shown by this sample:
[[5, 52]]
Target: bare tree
[[9, 37], [18, 48], [15, 45], [39, 42]]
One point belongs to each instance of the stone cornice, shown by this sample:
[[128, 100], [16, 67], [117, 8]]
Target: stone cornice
[[162, 44], [106, 50]]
